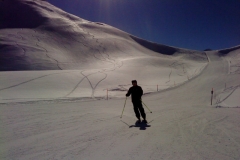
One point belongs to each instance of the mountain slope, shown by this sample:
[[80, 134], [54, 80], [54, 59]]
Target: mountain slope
[[43, 37]]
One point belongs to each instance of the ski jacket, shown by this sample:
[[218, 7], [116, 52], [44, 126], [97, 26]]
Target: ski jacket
[[136, 93]]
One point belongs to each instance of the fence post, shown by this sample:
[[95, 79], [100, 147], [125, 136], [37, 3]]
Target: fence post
[[211, 96], [107, 94]]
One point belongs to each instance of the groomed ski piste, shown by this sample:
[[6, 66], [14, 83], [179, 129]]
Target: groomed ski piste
[[63, 82]]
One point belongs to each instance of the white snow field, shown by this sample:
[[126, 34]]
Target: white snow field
[[63, 82]]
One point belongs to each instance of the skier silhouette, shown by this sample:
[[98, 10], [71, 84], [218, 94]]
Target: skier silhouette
[[136, 93]]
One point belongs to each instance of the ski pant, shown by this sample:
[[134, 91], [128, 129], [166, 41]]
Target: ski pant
[[138, 109]]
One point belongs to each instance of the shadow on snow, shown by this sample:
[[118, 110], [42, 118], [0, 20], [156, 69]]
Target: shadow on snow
[[142, 126]]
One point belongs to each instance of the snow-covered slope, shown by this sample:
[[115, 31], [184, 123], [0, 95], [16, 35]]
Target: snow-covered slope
[[37, 36], [57, 69], [229, 95], [102, 57]]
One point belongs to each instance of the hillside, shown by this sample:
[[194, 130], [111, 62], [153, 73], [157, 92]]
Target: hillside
[[43, 37], [99, 56]]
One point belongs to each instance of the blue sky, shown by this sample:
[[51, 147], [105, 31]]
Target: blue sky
[[192, 24]]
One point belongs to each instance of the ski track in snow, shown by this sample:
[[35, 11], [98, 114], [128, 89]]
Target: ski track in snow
[[24, 51], [37, 44], [102, 53], [94, 88], [108, 59], [30, 80], [85, 76], [220, 100]]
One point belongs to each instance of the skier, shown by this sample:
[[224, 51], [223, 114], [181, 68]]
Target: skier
[[136, 93]]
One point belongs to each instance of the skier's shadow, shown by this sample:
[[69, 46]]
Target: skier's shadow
[[142, 126]]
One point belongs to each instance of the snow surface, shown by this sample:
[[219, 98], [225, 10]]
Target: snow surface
[[63, 82]]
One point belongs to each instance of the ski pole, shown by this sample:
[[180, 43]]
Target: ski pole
[[124, 107], [146, 107]]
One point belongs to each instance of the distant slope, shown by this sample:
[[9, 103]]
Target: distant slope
[[156, 47], [228, 50]]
